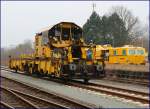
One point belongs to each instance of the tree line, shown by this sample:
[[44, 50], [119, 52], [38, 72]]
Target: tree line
[[25, 48]]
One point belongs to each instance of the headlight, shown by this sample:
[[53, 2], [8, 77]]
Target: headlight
[[89, 54]]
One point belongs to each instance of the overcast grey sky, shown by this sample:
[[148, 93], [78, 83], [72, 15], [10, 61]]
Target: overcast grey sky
[[21, 20]]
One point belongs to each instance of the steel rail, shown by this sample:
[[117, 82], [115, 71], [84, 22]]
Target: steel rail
[[113, 93], [120, 89], [6, 105], [133, 81]]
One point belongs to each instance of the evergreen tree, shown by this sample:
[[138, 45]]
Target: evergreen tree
[[105, 30], [92, 28], [117, 30]]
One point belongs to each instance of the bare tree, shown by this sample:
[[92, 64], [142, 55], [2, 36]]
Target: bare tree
[[126, 15], [141, 38], [138, 33], [24, 48]]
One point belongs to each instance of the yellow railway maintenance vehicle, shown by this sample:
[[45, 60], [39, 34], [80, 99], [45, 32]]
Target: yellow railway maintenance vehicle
[[61, 52], [127, 54]]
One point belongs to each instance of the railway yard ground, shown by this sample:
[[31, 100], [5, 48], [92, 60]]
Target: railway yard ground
[[38, 92]]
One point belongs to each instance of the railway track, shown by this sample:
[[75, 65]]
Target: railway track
[[121, 89], [11, 99], [121, 93], [135, 96], [5, 105], [122, 80], [36, 95], [31, 101]]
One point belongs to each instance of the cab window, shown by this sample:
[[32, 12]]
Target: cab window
[[123, 52], [76, 33], [131, 52], [65, 34], [140, 52], [115, 52]]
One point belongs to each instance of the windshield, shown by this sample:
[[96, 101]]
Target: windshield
[[76, 33], [65, 33], [140, 52]]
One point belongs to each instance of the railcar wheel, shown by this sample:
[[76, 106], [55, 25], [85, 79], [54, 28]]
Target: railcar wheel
[[38, 73], [35, 73], [16, 69], [86, 81], [65, 80], [46, 74], [103, 74], [41, 73]]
